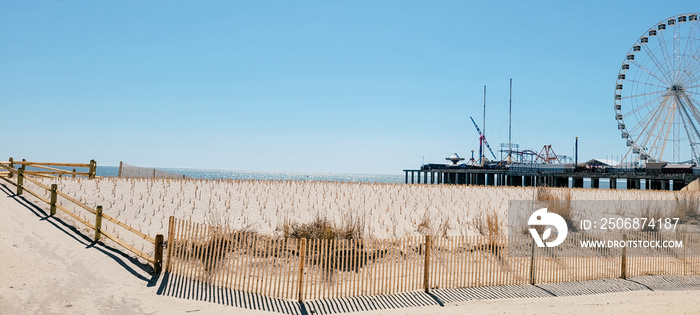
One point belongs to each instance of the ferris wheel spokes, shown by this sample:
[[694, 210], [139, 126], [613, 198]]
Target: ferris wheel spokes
[[689, 104], [662, 70], [669, 123], [645, 83], [643, 106], [648, 118], [691, 34], [644, 94], [669, 67], [649, 72], [641, 143], [694, 135], [653, 122], [668, 60], [690, 72]]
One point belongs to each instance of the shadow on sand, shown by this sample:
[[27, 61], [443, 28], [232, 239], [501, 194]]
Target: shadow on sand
[[134, 266], [182, 287]]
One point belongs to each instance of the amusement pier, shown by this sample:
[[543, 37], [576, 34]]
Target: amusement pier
[[655, 177]]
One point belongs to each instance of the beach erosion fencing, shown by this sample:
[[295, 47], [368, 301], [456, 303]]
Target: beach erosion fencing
[[301, 269], [55, 198], [131, 171]]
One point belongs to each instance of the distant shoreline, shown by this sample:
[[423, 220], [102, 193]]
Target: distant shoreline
[[113, 171]]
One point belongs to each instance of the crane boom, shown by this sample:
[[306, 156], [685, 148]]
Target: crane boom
[[482, 137]]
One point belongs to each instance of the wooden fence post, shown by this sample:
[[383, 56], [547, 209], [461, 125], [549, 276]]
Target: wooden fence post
[[120, 169], [171, 240], [426, 264], [302, 254], [623, 271], [98, 223], [74, 173], [54, 197], [20, 180], [12, 165], [93, 169], [532, 264], [158, 255], [685, 254]]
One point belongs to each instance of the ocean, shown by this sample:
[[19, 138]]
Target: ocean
[[113, 171]]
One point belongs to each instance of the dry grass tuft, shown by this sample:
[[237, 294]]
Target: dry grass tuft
[[490, 225], [444, 227], [212, 250], [558, 202], [203, 251], [687, 207], [348, 246], [650, 213], [425, 224], [322, 228]]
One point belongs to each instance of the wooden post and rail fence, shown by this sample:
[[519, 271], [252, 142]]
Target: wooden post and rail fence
[[46, 170]]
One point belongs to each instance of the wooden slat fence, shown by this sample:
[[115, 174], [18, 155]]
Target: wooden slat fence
[[291, 268], [672, 261], [569, 262], [318, 269], [472, 261]]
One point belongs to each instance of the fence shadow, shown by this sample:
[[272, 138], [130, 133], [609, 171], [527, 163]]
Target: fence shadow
[[132, 265], [372, 303], [668, 282], [490, 293], [178, 286]]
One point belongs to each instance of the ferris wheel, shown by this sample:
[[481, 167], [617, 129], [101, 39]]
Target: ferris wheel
[[656, 94]]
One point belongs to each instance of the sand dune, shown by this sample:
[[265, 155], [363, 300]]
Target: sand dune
[[385, 210]]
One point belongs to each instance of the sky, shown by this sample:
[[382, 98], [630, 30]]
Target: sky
[[370, 87]]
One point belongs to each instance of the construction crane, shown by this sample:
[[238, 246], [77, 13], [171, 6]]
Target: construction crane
[[482, 141]]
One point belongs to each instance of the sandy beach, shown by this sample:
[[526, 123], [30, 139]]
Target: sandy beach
[[49, 267]]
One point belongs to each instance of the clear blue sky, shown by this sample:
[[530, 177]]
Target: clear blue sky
[[325, 86]]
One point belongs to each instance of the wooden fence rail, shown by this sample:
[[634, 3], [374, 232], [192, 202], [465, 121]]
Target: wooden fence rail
[[45, 169], [22, 175], [316, 269]]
